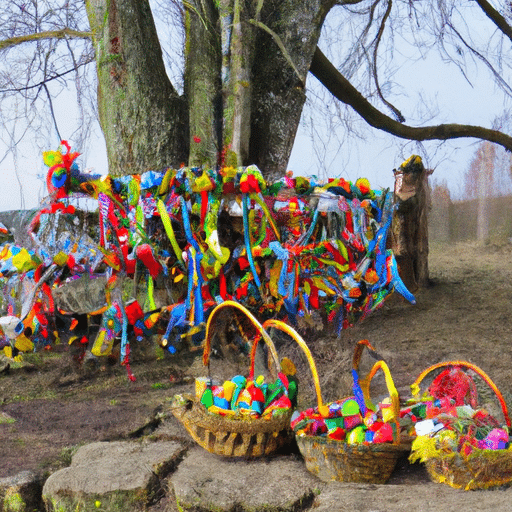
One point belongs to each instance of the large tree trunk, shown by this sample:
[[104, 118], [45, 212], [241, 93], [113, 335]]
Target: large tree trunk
[[262, 53], [245, 71], [142, 116], [279, 77], [242, 53], [203, 87]]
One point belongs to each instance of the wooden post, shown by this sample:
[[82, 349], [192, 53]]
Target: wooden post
[[410, 222]]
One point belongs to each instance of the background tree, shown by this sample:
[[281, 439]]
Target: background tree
[[479, 179], [488, 176], [439, 215], [245, 69]]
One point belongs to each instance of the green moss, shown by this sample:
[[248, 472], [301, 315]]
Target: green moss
[[111, 58], [113, 502], [187, 32], [13, 502]]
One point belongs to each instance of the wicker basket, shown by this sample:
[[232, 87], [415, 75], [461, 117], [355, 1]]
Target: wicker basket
[[481, 469], [330, 459], [234, 436]]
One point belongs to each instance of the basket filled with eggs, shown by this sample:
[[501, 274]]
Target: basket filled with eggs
[[245, 415], [352, 439], [458, 434]]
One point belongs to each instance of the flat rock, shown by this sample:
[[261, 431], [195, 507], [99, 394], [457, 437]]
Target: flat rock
[[104, 468], [428, 497], [204, 481]]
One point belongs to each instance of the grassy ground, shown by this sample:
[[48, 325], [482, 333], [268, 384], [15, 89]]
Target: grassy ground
[[50, 405]]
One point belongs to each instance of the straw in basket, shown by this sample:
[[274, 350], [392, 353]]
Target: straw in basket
[[461, 445], [245, 433], [349, 455]]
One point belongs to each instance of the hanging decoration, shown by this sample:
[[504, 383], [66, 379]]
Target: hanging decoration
[[284, 250]]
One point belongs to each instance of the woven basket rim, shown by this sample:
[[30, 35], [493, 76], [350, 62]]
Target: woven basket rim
[[477, 455], [200, 416], [415, 386], [360, 447]]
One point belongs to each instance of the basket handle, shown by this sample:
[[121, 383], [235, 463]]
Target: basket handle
[[393, 393], [415, 386], [363, 383], [277, 324], [358, 352], [253, 320]]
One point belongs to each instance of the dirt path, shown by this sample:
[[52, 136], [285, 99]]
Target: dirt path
[[50, 406]]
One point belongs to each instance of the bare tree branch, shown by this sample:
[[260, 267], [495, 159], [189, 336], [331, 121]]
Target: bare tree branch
[[332, 3], [496, 17], [344, 91], [499, 79], [49, 78], [378, 38], [52, 34], [52, 111]]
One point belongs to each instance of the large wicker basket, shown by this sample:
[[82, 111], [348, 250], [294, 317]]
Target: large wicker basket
[[481, 469], [330, 459], [235, 436]]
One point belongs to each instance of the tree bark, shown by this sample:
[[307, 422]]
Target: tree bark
[[410, 223], [249, 97], [260, 54], [279, 79], [203, 88], [242, 53], [142, 117]]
